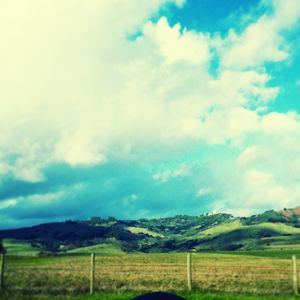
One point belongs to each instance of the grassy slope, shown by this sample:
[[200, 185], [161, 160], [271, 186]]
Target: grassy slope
[[223, 228], [236, 224], [138, 230], [280, 227], [99, 249], [258, 236], [14, 247]]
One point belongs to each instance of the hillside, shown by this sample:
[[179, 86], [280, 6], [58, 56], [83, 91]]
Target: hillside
[[207, 232]]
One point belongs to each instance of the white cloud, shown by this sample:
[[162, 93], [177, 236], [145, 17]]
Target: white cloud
[[281, 124], [7, 203], [265, 175], [266, 191], [167, 175], [130, 200], [68, 88], [263, 40], [45, 197], [204, 191], [252, 156], [178, 47], [62, 79]]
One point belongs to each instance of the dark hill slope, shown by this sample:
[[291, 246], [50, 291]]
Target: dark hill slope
[[52, 235], [67, 231]]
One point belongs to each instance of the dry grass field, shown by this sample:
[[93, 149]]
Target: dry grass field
[[69, 275]]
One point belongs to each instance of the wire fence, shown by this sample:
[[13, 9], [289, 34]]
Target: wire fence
[[149, 272]]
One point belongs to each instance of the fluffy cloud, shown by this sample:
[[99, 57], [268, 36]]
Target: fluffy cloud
[[64, 76], [175, 46], [183, 170], [74, 90], [266, 174], [262, 41], [204, 191]]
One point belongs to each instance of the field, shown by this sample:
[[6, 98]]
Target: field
[[263, 274], [101, 249], [15, 247]]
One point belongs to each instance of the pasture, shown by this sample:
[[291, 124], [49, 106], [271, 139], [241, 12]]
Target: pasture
[[260, 274]]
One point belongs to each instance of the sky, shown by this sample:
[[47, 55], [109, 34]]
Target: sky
[[143, 109]]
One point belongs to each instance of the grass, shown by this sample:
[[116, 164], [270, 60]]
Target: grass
[[15, 247], [288, 246], [138, 230], [269, 253], [130, 295], [99, 249], [236, 224], [215, 276], [223, 228], [279, 227]]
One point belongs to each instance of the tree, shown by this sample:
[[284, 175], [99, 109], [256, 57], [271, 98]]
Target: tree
[[95, 220], [2, 249], [111, 219]]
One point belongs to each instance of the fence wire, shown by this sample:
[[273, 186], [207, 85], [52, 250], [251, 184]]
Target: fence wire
[[149, 272]]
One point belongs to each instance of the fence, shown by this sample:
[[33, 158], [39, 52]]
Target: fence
[[136, 272]]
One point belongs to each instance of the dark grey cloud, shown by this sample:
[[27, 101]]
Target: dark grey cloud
[[122, 189]]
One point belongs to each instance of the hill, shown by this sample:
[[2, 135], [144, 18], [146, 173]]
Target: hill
[[207, 232]]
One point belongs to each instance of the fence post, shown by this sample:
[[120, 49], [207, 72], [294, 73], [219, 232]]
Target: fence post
[[295, 275], [189, 271], [92, 278], [2, 267]]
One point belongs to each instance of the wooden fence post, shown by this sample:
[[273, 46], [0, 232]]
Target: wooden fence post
[[189, 271], [2, 268], [92, 278], [295, 275]]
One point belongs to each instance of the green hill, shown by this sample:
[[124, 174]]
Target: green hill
[[269, 230]]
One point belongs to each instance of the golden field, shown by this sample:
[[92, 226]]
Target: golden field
[[212, 272]]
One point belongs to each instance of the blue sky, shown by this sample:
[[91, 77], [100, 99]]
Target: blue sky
[[153, 109]]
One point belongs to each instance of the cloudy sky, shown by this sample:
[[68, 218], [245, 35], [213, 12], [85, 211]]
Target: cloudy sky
[[138, 108]]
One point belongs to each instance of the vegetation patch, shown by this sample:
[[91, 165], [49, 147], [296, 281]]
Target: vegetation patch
[[23, 248], [139, 230], [99, 249]]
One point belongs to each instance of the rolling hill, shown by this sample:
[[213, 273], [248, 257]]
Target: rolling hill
[[207, 232]]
